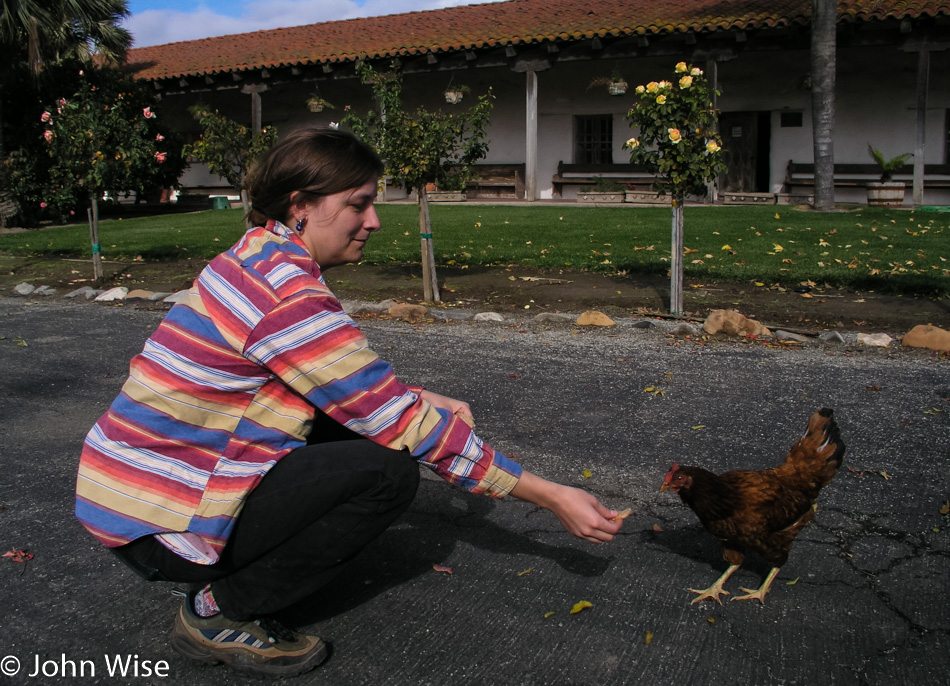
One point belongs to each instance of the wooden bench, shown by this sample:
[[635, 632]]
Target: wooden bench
[[589, 174], [497, 181], [847, 175]]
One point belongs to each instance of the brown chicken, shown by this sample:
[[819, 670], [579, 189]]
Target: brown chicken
[[763, 510]]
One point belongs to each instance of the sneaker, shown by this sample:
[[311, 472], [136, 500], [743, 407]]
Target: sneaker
[[261, 648]]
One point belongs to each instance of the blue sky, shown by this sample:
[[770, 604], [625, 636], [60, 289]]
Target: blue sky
[[155, 22]]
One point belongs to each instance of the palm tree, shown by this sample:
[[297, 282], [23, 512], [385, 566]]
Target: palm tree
[[36, 31], [823, 25]]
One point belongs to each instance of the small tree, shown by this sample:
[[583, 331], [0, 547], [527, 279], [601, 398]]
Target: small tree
[[421, 147], [678, 141], [229, 148], [104, 138]]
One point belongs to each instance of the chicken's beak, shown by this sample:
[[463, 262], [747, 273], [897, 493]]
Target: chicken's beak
[[665, 487]]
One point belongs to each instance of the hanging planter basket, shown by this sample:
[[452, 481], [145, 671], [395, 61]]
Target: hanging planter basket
[[316, 103], [617, 87], [453, 97]]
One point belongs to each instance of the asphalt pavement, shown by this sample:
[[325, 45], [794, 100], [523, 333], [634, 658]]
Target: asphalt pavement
[[863, 599]]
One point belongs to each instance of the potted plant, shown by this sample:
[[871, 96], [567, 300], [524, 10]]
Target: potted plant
[[317, 103], [604, 190], [616, 84], [887, 192]]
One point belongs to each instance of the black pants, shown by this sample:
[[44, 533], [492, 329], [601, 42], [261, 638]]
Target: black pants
[[314, 510]]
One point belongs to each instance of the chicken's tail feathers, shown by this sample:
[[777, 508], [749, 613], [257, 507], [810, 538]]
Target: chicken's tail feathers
[[821, 447]]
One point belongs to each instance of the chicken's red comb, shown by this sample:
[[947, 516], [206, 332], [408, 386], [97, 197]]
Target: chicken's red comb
[[669, 474]]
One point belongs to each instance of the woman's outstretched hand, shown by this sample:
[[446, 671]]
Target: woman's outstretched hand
[[579, 512], [459, 407]]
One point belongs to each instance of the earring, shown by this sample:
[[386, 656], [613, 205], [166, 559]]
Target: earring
[[300, 224]]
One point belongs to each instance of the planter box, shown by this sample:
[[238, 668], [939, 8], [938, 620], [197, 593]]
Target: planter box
[[748, 198], [645, 198], [800, 198], [887, 194], [445, 196], [600, 196]]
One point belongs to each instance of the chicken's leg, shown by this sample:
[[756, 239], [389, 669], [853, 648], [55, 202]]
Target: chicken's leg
[[763, 589], [716, 589]]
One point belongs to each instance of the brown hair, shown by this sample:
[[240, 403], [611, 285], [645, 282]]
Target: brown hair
[[314, 162]]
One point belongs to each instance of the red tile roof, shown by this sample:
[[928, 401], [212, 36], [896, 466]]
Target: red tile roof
[[515, 22]]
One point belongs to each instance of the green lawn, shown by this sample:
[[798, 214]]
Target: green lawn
[[889, 250]]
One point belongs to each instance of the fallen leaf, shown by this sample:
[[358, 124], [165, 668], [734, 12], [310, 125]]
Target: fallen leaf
[[582, 605], [648, 638], [548, 614], [623, 514], [657, 528], [945, 510], [439, 568], [792, 582], [18, 555], [698, 426], [587, 474], [527, 571], [711, 620], [887, 477]]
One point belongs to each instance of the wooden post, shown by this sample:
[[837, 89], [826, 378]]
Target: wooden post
[[430, 284], [712, 77], [676, 258], [255, 90], [93, 213], [923, 78], [531, 136]]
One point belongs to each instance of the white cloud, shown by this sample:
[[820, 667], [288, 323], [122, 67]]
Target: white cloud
[[156, 27]]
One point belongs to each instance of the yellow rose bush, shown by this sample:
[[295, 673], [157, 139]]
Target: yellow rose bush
[[677, 136], [678, 142]]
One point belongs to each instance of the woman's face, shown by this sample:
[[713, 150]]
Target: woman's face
[[338, 226]]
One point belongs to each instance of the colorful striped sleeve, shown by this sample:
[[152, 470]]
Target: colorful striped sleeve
[[316, 349]]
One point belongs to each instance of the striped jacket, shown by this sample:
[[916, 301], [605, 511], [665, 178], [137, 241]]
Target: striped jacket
[[227, 385]]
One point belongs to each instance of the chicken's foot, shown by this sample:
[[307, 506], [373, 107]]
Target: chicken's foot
[[716, 590], [763, 589]]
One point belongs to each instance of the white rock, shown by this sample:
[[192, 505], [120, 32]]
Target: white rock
[[878, 340], [684, 330], [489, 317], [24, 288], [450, 315], [789, 336], [553, 318], [831, 337], [44, 290], [87, 291], [175, 297], [117, 293]]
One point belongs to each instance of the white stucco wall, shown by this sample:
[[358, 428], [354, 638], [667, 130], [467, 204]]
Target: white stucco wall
[[876, 99]]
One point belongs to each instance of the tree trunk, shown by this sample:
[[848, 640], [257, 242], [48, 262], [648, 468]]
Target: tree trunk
[[246, 203], [676, 258], [94, 237], [430, 284], [824, 15]]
